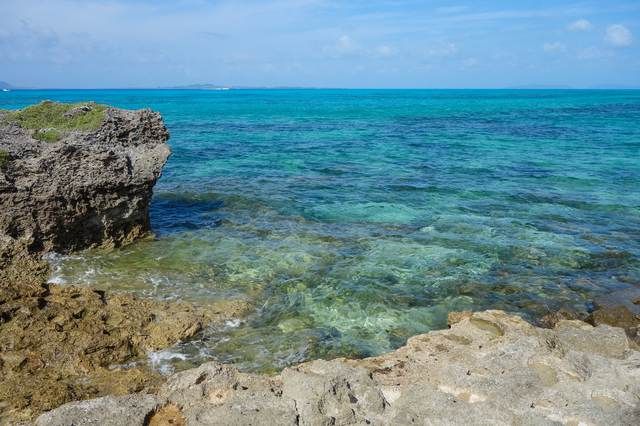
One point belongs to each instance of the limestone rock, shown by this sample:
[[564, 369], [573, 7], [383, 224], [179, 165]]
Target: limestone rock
[[488, 368], [91, 188], [69, 343], [106, 411]]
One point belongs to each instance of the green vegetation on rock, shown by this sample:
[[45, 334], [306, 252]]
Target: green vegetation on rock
[[4, 158], [47, 135], [50, 120]]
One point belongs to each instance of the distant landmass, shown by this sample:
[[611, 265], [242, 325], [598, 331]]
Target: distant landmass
[[207, 86], [197, 87], [614, 86], [5, 86], [564, 87], [541, 86]]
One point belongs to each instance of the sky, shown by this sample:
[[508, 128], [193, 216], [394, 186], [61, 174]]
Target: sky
[[319, 43]]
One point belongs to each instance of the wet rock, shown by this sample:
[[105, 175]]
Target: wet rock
[[489, 367], [619, 309], [68, 343], [21, 273], [550, 320], [629, 298], [88, 188], [617, 316]]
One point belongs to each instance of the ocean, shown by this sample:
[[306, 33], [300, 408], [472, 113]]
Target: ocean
[[351, 220]]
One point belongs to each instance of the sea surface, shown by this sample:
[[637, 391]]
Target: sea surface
[[351, 220]]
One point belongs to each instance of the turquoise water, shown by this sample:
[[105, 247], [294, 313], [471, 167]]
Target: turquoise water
[[353, 219]]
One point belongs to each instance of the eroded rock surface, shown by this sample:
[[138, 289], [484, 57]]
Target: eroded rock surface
[[68, 343], [66, 190], [488, 368], [91, 188]]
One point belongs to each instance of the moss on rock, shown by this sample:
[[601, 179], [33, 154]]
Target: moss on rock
[[47, 135], [50, 120]]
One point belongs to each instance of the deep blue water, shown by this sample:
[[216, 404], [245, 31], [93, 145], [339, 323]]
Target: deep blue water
[[353, 219]]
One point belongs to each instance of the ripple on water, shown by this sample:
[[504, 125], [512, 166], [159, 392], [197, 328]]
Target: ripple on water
[[352, 220]]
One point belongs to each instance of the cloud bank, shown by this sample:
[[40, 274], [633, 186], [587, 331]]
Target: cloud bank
[[377, 43], [619, 36]]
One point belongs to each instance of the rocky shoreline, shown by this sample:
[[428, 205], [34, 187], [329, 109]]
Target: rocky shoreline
[[90, 187], [488, 368], [80, 176], [69, 343]]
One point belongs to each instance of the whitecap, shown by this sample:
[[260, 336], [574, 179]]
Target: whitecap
[[160, 360]]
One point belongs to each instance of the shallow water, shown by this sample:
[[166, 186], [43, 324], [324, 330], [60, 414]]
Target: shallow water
[[353, 219]]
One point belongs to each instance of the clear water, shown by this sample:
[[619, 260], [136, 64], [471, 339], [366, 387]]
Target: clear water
[[353, 219]]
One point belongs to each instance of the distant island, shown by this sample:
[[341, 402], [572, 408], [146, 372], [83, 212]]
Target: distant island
[[208, 86], [5, 86]]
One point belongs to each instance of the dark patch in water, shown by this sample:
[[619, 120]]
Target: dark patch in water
[[173, 213]]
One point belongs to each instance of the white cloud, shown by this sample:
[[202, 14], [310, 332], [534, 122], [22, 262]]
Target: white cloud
[[593, 53], [343, 46], [618, 35], [451, 9], [384, 51], [442, 50], [580, 25], [470, 62], [554, 47]]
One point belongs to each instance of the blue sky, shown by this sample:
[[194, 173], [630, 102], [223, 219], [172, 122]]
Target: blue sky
[[322, 43]]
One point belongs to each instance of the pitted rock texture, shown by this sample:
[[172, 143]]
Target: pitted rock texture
[[489, 368], [67, 343], [89, 189]]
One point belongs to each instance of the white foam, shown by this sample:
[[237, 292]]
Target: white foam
[[56, 279], [232, 323], [160, 360]]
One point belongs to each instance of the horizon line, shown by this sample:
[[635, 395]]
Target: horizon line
[[228, 88]]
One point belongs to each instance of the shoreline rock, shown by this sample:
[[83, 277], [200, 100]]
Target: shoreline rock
[[64, 189], [74, 177], [489, 367], [89, 188], [69, 343]]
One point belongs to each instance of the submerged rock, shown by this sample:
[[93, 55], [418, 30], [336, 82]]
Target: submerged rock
[[489, 367], [90, 186]]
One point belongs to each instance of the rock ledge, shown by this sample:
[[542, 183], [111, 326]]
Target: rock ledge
[[488, 368]]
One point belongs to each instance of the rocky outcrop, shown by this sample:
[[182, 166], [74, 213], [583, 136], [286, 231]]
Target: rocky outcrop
[[69, 343], [90, 188], [488, 368], [73, 177]]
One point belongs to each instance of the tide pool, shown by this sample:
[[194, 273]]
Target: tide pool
[[354, 219]]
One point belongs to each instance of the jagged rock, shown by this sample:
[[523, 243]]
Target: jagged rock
[[91, 188], [488, 368], [70, 343]]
